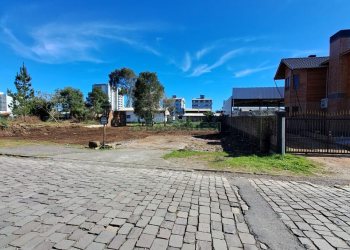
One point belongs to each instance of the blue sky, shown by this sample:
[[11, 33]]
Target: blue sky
[[196, 47]]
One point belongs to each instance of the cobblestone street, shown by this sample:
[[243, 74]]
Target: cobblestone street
[[318, 215], [48, 204]]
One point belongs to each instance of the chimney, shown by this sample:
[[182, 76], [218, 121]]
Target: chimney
[[337, 76], [201, 96], [340, 42]]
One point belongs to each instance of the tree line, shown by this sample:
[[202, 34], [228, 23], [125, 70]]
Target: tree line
[[144, 92]]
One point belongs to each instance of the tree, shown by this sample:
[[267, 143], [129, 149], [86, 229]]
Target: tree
[[169, 104], [95, 101], [42, 107], [209, 116], [123, 79], [147, 94], [70, 100], [22, 99]]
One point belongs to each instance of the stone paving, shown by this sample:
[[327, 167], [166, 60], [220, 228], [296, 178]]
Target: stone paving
[[68, 205], [318, 215]]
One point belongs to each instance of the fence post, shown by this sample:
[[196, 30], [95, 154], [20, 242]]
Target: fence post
[[281, 132]]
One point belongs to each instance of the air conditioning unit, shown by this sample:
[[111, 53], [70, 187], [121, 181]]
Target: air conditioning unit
[[324, 103]]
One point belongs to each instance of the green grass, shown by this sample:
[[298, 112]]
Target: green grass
[[188, 153], [270, 164]]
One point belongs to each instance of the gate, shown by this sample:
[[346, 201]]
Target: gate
[[318, 133]]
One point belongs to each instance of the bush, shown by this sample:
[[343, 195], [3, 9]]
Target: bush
[[3, 122]]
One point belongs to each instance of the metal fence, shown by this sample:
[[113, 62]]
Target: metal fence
[[318, 133]]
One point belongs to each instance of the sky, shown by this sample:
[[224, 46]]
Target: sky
[[195, 46]]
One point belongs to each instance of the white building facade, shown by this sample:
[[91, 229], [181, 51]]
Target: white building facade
[[115, 99], [131, 117], [5, 102]]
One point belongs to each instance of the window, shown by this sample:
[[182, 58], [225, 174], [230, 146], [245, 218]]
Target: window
[[128, 116], [296, 82], [287, 83]]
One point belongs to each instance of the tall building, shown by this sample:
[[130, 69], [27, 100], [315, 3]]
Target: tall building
[[179, 104], [5, 101], [115, 99], [202, 103]]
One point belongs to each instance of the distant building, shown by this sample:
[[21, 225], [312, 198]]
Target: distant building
[[318, 83], [5, 102], [202, 103], [196, 115], [115, 99], [252, 99], [227, 106], [131, 117], [179, 104]]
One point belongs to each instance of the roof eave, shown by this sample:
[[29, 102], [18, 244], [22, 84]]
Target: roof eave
[[280, 73]]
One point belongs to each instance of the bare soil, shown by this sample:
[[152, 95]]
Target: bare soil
[[79, 134], [335, 165]]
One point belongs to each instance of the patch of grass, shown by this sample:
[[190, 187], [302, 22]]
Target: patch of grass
[[269, 164], [189, 153]]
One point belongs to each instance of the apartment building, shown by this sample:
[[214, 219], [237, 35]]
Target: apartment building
[[202, 103], [5, 101], [115, 98], [179, 104]]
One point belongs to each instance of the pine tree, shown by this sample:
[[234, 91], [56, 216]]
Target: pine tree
[[22, 99]]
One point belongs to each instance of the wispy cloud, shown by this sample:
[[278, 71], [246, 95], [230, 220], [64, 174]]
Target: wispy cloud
[[187, 62], [224, 43], [58, 43], [205, 68], [200, 53], [249, 71]]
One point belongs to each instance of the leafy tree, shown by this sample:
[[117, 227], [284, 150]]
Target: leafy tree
[[169, 104], [22, 99], [95, 101], [147, 94], [209, 116], [123, 79], [42, 107], [70, 100]]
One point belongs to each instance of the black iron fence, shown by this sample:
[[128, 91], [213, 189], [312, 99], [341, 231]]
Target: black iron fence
[[318, 133]]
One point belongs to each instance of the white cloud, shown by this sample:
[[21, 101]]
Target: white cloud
[[224, 43], [204, 51], [58, 43], [187, 62], [249, 71], [205, 68]]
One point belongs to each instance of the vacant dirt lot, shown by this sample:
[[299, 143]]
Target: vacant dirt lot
[[141, 139], [79, 134]]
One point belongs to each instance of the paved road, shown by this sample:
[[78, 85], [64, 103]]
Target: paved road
[[62, 204], [318, 215], [48, 204]]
